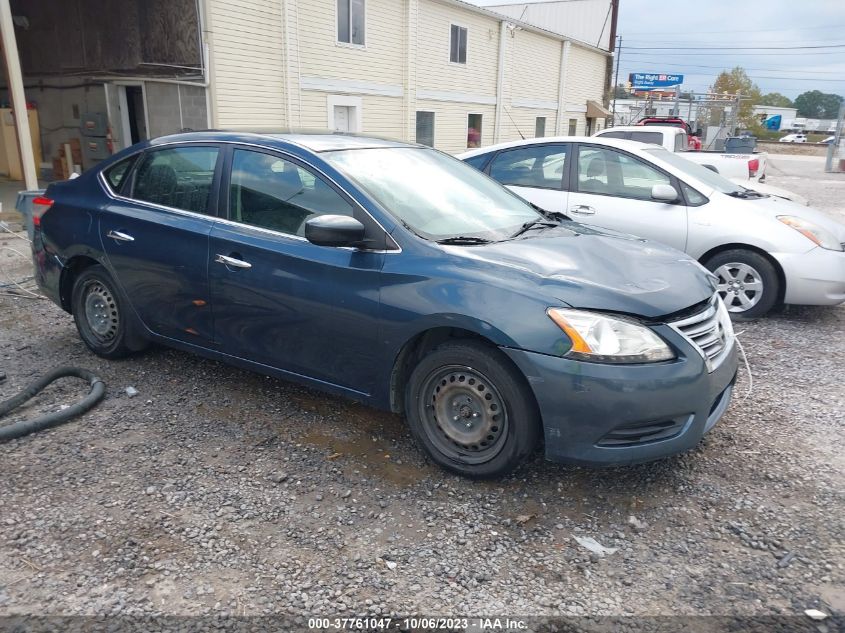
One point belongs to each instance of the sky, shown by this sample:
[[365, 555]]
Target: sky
[[690, 37]]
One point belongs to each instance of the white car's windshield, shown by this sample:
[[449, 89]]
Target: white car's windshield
[[699, 172], [436, 196]]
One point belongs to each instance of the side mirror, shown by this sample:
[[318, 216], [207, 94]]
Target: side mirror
[[334, 230], [664, 193]]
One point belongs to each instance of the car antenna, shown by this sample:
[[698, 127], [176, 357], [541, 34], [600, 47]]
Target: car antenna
[[518, 131]]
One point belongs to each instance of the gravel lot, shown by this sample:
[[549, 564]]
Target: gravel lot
[[215, 490]]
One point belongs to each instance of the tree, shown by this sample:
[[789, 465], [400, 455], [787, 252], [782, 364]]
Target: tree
[[620, 92], [816, 104], [776, 99], [737, 81]]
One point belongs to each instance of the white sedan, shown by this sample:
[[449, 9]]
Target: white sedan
[[764, 249], [793, 138]]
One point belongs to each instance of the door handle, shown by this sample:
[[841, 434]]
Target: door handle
[[232, 261], [120, 237], [582, 209]]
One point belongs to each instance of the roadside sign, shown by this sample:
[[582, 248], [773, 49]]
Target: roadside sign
[[654, 81]]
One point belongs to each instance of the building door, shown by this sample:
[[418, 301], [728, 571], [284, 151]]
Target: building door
[[133, 114], [343, 118]]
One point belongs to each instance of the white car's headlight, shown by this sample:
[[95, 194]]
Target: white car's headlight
[[813, 232], [609, 339]]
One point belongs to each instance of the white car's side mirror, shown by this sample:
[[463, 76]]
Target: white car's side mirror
[[664, 193]]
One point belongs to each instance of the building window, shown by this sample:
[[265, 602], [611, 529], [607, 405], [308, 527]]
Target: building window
[[474, 130], [540, 127], [573, 126], [425, 128], [350, 21], [458, 45]]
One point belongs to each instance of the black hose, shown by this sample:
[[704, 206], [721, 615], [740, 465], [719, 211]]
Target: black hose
[[25, 427]]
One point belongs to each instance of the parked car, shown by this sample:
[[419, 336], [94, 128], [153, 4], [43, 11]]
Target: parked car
[[398, 276], [764, 249], [746, 170], [793, 138]]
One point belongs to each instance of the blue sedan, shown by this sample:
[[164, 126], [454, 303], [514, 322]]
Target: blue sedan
[[399, 276]]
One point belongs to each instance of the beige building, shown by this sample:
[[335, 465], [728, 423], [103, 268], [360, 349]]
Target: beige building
[[440, 72]]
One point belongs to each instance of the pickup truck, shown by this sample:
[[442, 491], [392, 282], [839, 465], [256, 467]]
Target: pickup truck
[[747, 170]]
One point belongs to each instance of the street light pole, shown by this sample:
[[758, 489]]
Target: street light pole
[[616, 79]]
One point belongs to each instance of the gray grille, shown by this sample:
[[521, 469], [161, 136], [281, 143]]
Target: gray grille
[[708, 333]]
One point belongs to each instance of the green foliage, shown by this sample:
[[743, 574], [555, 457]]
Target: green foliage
[[776, 99], [737, 81], [816, 104]]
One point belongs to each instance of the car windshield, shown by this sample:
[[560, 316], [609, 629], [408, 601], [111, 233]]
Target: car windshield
[[699, 172], [436, 196]]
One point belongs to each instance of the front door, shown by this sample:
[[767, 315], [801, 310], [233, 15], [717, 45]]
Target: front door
[[280, 300], [155, 236], [537, 173], [612, 189]]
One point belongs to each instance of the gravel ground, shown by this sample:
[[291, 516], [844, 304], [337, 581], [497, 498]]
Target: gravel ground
[[219, 491]]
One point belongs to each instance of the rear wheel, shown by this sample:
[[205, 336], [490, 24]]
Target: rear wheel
[[748, 282], [471, 410], [100, 315]]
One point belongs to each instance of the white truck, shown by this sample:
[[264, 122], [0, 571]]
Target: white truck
[[747, 170]]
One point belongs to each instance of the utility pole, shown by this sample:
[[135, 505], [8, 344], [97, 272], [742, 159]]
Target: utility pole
[[616, 80]]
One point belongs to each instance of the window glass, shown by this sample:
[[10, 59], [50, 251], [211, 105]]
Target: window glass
[[699, 172], [350, 21], [540, 127], [540, 166], [573, 126], [444, 198], [477, 161], [277, 194], [612, 173], [425, 128], [116, 174], [474, 130], [458, 45], [625, 135], [681, 143], [655, 138], [180, 177], [694, 199]]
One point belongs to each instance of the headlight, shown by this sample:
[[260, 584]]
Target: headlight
[[605, 339], [813, 232]]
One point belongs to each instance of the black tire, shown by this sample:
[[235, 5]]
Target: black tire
[[759, 270], [496, 425], [102, 316]]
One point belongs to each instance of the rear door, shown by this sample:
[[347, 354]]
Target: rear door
[[537, 173], [155, 230], [279, 299], [612, 189]]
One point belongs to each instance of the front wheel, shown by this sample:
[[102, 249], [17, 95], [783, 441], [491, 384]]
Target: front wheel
[[748, 282], [472, 410]]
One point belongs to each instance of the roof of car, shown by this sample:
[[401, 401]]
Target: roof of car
[[667, 129], [631, 146], [316, 142]]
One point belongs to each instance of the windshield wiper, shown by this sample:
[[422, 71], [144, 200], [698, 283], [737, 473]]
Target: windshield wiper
[[549, 215], [533, 224], [746, 193], [464, 240]]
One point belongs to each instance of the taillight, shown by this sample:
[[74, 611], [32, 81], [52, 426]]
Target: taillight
[[39, 208], [753, 166]]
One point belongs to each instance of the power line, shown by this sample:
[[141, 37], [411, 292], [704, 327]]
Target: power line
[[797, 28], [731, 48], [757, 54], [765, 70]]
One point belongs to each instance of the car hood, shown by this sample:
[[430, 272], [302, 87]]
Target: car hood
[[601, 270], [774, 206]]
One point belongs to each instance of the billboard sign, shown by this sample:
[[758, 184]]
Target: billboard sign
[[654, 81]]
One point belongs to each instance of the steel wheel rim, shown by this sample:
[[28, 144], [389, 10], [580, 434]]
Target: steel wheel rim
[[740, 286], [463, 414], [101, 314]]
